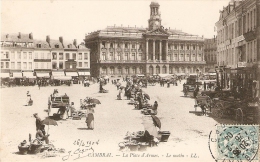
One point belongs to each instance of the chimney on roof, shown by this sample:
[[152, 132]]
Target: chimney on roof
[[48, 40], [75, 42], [19, 35], [61, 41], [30, 35], [7, 35]]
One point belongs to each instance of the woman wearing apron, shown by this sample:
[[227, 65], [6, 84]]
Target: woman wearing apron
[[90, 118]]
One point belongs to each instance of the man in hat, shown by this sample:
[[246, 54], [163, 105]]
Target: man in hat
[[28, 97], [40, 134], [38, 121]]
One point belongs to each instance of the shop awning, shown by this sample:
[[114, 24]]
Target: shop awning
[[43, 75], [84, 73], [180, 74], [140, 75], [17, 75], [58, 73], [28, 75], [163, 75], [72, 74], [62, 77], [4, 75]]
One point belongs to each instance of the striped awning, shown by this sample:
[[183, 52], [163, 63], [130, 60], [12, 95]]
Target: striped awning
[[18, 75], [84, 73], [62, 77], [72, 74], [58, 73], [4, 75], [28, 75], [43, 75]]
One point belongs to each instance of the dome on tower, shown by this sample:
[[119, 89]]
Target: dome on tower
[[154, 4]]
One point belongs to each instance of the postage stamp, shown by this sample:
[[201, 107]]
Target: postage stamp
[[237, 142]]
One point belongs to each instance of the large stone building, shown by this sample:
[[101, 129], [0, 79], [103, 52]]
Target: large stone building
[[21, 55], [210, 54], [238, 39], [121, 51]]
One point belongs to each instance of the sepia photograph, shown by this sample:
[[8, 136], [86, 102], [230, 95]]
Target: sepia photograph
[[130, 80]]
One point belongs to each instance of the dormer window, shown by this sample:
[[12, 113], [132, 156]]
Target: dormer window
[[39, 45], [126, 45], [111, 45], [56, 46], [133, 45]]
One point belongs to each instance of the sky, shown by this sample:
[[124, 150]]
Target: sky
[[75, 19]]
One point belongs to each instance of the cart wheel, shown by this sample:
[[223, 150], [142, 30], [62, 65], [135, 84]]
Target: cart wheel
[[220, 113], [215, 112], [239, 115]]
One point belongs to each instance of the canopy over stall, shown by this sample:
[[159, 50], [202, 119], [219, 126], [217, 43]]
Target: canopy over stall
[[58, 73], [72, 74], [82, 73], [43, 75], [4, 75], [62, 78], [28, 74], [17, 75]]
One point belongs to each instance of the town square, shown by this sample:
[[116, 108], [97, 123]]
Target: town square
[[126, 92]]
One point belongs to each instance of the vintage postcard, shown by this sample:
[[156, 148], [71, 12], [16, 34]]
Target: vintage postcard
[[144, 80]]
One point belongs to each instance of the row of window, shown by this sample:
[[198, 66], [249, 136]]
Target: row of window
[[170, 46], [158, 70], [244, 24], [60, 55], [28, 55], [26, 66], [38, 65]]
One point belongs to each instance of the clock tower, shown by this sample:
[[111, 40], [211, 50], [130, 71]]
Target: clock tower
[[155, 17]]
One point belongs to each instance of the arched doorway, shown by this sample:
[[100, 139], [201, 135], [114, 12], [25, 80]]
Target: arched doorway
[[157, 69], [119, 70], [127, 70], [164, 69], [112, 70], [134, 70], [151, 70], [104, 70]]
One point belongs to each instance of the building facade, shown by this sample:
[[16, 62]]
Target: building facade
[[21, 53], [121, 51], [210, 54], [238, 39], [237, 34]]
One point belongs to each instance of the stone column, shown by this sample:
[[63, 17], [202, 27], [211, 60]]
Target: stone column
[[147, 54], [99, 50], [184, 54], [160, 52], [123, 53], [115, 53], [153, 49], [179, 52], [130, 52], [166, 48], [107, 49]]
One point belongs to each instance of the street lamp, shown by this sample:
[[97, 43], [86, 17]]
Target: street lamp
[[221, 77], [197, 71]]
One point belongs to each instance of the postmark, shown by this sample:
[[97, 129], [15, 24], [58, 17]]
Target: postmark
[[235, 142]]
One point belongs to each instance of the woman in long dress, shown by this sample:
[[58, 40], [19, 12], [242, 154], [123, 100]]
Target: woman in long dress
[[90, 118]]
